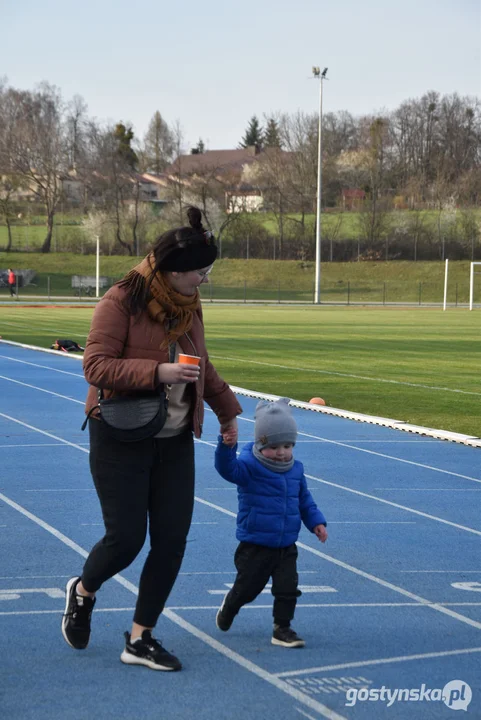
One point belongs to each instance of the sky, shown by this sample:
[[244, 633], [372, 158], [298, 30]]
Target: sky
[[210, 66]]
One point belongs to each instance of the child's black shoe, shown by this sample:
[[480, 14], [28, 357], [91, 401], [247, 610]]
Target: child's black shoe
[[286, 637]]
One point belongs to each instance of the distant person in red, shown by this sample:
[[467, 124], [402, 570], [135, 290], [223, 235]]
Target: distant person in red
[[12, 280]]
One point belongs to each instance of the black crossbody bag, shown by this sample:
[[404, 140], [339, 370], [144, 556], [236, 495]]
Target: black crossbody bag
[[137, 417]]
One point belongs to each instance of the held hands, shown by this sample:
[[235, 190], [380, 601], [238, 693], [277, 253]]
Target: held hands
[[321, 532], [175, 373], [229, 432]]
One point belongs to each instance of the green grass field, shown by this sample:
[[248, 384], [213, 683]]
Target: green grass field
[[284, 280], [420, 366]]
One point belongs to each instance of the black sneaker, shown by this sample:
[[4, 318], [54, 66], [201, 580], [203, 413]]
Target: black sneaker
[[76, 619], [225, 616], [286, 637], [148, 652]]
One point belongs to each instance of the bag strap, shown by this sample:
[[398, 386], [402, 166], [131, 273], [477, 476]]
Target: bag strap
[[100, 392]]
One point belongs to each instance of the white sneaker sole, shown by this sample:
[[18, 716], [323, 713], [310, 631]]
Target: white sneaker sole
[[130, 659], [219, 612], [72, 581], [281, 643]]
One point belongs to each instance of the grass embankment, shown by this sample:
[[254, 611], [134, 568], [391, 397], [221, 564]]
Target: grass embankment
[[399, 281], [345, 225], [421, 367]]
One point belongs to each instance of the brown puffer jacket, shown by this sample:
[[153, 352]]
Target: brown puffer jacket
[[122, 354]]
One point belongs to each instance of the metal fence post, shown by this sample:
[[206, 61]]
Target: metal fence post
[[245, 291], [384, 293], [420, 292], [279, 291], [48, 286], [348, 292]]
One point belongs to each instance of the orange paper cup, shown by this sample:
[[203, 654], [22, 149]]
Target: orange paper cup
[[189, 359]]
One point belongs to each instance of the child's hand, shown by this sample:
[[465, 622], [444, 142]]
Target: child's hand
[[321, 532], [229, 432], [229, 438]]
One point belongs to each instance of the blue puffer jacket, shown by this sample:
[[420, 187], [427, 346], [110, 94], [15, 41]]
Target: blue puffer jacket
[[271, 505]]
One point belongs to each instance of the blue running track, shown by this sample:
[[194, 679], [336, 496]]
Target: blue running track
[[391, 602]]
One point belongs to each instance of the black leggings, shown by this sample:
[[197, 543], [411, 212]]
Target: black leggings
[[148, 480]]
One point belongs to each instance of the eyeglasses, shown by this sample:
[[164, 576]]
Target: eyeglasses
[[203, 273]]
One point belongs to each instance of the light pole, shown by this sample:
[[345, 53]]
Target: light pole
[[317, 285], [97, 267]]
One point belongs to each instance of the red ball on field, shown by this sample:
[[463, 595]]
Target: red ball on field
[[317, 401]]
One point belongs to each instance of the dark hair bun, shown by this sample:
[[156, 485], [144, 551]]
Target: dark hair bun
[[195, 217]]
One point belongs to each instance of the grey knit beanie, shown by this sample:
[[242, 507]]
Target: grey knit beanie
[[274, 424]]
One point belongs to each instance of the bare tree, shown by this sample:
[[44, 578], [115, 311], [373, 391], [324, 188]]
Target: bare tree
[[158, 147], [8, 189], [32, 145]]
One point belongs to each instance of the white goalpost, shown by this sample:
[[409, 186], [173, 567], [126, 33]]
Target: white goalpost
[[472, 273]]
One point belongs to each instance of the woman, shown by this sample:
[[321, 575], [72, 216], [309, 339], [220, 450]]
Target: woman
[[135, 328]]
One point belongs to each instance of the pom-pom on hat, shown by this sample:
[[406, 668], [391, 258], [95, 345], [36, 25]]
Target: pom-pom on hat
[[274, 424]]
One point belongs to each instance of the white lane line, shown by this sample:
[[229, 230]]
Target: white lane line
[[349, 375], [44, 367], [372, 522], [255, 669], [331, 605], [396, 505], [315, 437], [61, 610], [404, 489], [380, 661], [377, 499], [33, 445], [408, 441], [199, 634], [32, 577], [404, 461], [49, 392], [330, 559], [43, 432], [309, 717], [210, 608], [391, 586], [381, 455], [460, 572], [367, 576]]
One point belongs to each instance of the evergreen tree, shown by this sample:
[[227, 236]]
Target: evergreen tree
[[253, 134], [124, 136], [272, 137]]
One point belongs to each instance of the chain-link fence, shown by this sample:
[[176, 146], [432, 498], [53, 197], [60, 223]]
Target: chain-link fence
[[49, 286]]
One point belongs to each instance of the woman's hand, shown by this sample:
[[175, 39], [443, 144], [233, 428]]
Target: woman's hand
[[229, 432], [175, 373]]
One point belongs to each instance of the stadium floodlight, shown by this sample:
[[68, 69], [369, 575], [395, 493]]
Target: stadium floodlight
[[317, 285], [472, 273]]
